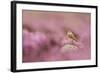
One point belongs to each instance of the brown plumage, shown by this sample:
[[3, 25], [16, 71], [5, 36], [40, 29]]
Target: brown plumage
[[72, 36]]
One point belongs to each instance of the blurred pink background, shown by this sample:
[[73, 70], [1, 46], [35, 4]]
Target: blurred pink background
[[44, 36]]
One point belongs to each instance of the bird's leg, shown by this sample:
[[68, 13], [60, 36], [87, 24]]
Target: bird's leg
[[72, 41]]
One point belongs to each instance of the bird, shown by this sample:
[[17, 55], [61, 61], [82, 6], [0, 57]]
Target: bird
[[72, 36]]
